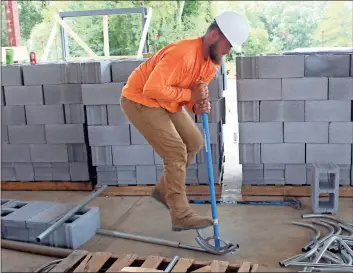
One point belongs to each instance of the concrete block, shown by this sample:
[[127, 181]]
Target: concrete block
[[322, 65], [253, 174], [306, 132], [4, 134], [202, 174], [61, 171], [96, 114], [13, 115], [259, 89], [24, 95], [281, 111], [305, 88], [274, 174], [137, 137], [5, 201], [43, 172], [280, 66], [26, 134], [351, 70], [340, 88], [341, 132], [102, 94], [43, 153], [77, 152], [191, 177], [248, 111], [107, 175], [126, 175], [46, 73], [331, 110], [121, 70], [116, 115], [102, 155], [45, 114], [260, 132], [73, 70], [133, 155], [96, 72], [4, 212], [109, 135], [8, 172], [284, 153], [2, 96], [336, 153], [201, 157], [11, 75], [295, 174], [215, 130], [79, 171], [24, 171], [65, 133], [345, 174], [249, 154], [215, 87], [62, 93], [15, 153], [74, 114], [217, 112], [246, 67]]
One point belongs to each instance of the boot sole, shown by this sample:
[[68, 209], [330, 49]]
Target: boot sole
[[178, 229]]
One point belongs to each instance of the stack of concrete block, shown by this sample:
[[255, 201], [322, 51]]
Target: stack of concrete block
[[294, 111], [24, 221], [43, 136]]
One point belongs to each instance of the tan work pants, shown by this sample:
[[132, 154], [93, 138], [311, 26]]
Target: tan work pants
[[174, 136]]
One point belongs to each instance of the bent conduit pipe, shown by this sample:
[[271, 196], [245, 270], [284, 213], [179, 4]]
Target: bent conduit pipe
[[317, 233], [346, 224]]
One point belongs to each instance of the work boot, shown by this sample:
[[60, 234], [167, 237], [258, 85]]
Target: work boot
[[159, 192]]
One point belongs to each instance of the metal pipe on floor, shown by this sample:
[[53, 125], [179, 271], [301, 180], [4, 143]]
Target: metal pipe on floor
[[172, 264], [36, 249], [147, 239], [69, 214]]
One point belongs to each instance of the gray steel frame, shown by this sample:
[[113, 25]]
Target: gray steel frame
[[65, 14]]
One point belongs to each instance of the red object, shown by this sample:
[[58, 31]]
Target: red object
[[12, 23], [33, 57]]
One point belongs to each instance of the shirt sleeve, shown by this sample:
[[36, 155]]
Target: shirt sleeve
[[161, 84]]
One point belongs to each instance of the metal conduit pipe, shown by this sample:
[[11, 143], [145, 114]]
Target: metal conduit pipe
[[346, 224], [172, 264], [338, 267], [316, 236], [328, 257], [299, 257]]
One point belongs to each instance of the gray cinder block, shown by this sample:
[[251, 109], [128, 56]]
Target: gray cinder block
[[336, 153], [43, 172], [96, 72], [280, 66], [61, 171], [24, 171], [126, 175], [74, 114], [137, 137], [249, 154], [15, 153], [133, 155], [11, 75], [248, 111], [215, 130], [121, 70], [77, 152], [2, 96], [65, 133], [345, 174], [107, 175], [102, 94], [79, 171], [246, 67], [8, 172], [24, 95], [306, 132], [341, 132], [73, 70], [217, 112], [259, 89], [331, 110], [260, 132], [305, 88], [96, 115], [283, 153], [13, 115], [295, 174], [102, 155], [253, 174], [116, 115], [202, 173], [216, 152], [45, 114], [274, 174], [191, 177], [215, 87], [62, 93], [46, 73], [341, 88], [49, 153], [109, 135], [26, 134], [4, 134], [281, 111], [323, 65]]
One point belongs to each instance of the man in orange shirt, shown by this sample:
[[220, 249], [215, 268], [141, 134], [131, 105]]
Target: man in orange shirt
[[153, 100]]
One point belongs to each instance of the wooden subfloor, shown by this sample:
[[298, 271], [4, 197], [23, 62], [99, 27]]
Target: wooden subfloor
[[265, 234]]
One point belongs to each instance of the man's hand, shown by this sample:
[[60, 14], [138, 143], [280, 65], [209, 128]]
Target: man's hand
[[202, 106], [199, 92]]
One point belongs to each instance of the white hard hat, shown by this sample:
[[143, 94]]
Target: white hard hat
[[234, 26]]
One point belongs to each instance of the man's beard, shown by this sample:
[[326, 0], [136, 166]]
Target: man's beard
[[217, 59]]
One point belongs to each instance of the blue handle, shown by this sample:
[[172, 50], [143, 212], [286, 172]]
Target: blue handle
[[211, 179]]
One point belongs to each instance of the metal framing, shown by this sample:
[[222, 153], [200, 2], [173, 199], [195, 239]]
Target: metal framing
[[65, 14]]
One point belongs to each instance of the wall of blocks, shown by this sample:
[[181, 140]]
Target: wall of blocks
[[294, 111], [63, 122]]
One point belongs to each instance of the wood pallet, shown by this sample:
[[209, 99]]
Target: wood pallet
[[84, 261], [46, 186], [295, 191]]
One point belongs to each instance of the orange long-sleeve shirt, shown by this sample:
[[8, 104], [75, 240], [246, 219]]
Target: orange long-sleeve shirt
[[165, 80]]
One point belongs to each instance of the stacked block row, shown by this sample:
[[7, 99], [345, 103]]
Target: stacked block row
[[294, 111], [23, 221]]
